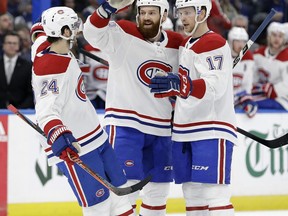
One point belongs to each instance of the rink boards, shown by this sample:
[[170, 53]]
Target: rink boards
[[259, 175]]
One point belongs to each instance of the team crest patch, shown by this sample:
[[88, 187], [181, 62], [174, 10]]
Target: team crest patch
[[237, 80], [100, 192], [80, 91], [147, 70], [129, 163]]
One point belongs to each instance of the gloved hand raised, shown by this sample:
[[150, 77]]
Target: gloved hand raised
[[171, 85], [63, 143], [114, 6]]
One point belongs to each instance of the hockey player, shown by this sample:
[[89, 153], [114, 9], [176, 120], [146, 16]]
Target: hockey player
[[95, 79], [139, 125], [204, 127], [243, 72], [69, 120], [272, 70]]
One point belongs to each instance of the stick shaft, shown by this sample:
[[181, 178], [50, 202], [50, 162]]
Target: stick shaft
[[254, 37], [79, 162]]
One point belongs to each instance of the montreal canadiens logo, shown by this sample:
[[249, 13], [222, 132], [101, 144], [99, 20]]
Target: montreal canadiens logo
[[100, 192], [148, 69], [101, 73], [237, 80], [129, 163], [80, 91]]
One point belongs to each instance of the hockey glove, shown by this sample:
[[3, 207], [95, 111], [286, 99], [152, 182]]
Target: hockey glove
[[36, 30], [264, 89], [63, 143], [171, 85], [250, 108], [114, 6], [244, 101]]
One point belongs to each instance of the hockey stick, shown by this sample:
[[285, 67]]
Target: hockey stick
[[94, 57], [254, 37], [278, 142], [79, 162]]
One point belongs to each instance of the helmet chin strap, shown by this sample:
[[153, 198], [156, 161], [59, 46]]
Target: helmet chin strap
[[71, 40], [196, 24]]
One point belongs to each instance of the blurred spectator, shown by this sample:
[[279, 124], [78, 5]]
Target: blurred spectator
[[13, 7], [87, 11], [228, 9], [242, 72], [70, 4], [25, 48], [218, 21], [279, 5], [271, 61], [25, 14], [6, 25], [241, 21], [247, 8], [15, 75]]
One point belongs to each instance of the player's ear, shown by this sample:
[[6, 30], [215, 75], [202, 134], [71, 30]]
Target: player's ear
[[202, 14], [66, 32]]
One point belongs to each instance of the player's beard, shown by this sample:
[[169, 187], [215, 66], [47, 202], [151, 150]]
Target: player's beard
[[151, 32]]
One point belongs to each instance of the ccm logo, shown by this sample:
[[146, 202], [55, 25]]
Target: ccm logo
[[167, 168], [195, 167]]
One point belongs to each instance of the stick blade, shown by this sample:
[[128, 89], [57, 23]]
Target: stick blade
[[278, 142], [133, 188]]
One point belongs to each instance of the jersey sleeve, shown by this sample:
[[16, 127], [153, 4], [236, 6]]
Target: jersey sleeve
[[98, 32], [214, 63]]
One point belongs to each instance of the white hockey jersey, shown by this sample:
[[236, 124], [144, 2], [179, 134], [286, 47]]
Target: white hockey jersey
[[132, 63], [274, 70], [209, 112], [243, 74], [60, 99], [95, 80]]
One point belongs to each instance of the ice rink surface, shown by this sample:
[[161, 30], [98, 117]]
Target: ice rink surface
[[251, 213]]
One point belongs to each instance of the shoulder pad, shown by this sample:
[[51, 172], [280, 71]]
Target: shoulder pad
[[208, 42], [48, 64]]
